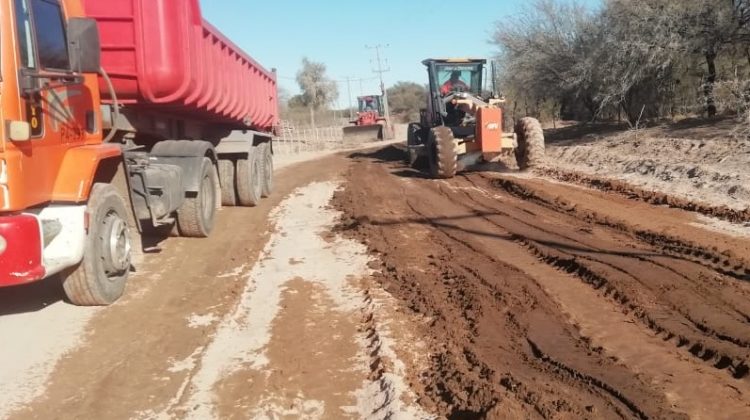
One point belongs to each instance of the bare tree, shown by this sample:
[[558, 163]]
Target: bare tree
[[709, 27], [636, 56], [544, 54], [662, 31], [317, 89]]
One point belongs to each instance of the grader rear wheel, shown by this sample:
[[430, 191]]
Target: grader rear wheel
[[530, 150]]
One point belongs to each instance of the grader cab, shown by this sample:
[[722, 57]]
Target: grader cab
[[464, 123]]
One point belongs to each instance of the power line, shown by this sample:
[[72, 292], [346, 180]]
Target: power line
[[341, 81], [382, 67]]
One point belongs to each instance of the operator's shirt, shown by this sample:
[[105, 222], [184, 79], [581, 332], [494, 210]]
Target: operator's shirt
[[449, 86]]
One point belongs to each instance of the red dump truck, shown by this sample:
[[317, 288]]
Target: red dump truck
[[121, 117]]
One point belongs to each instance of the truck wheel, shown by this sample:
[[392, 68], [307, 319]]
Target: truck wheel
[[530, 150], [100, 278], [442, 153], [265, 160], [249, 180], [195, 218], [227, 178]]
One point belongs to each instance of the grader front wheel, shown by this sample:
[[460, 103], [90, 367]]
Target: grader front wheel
[[530, 150], [442, 153]]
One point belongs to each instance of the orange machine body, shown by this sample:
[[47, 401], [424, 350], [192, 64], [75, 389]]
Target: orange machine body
[[58, 163], [490, 129]]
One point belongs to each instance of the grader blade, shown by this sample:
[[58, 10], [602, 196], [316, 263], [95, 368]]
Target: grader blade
[[358, 134]]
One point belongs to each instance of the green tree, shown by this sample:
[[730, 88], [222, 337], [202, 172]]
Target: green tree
[[406, 99], [318, 90]]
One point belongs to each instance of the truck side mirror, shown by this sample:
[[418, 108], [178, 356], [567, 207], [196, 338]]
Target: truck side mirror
[[84, 46]]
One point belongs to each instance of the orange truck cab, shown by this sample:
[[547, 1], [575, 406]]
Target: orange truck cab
[[50, 141], [81, 177]]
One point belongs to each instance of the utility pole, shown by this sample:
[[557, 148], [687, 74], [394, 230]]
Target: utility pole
[[349, 93], [382, 67]]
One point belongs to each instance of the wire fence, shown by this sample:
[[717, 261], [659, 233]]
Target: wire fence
[[292, 140]]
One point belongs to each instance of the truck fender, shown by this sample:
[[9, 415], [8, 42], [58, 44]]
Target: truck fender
[[184, 148], [78, 171], [241, 142], [188, 155]]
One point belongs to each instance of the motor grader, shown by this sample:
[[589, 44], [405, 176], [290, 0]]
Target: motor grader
[[464, 124]]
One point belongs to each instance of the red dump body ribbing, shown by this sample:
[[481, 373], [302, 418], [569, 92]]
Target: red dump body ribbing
[[162, 55]]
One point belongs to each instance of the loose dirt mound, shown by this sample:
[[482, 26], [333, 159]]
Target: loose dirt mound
[[696, 161], [649, 196], [541, 307]]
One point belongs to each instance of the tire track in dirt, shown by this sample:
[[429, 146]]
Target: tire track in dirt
[[697, 349], [707, 340], [501, 335], [537, 340], [481, 372], [725, 261]]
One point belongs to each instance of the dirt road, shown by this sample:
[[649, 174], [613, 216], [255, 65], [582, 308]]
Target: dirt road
[[362, 290], [548, 300], [273, 316]]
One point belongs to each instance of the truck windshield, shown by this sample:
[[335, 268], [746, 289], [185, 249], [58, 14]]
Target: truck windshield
[[459, 78]]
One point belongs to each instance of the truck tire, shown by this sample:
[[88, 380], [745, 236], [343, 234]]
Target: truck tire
[[265, 160], [228, 186], [249, 180], [101, 277], [442, 153], [530, 150], [195, 218]]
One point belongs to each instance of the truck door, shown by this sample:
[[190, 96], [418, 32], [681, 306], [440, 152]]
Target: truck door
[[53, 99]]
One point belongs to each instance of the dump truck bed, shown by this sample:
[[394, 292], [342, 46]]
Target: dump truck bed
[[163, 56]]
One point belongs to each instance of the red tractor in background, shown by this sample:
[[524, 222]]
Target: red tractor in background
[[371, 124]]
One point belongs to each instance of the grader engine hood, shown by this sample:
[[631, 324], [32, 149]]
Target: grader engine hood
[[468, 102]]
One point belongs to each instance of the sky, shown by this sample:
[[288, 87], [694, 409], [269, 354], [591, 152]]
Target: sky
[[279, 33]]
